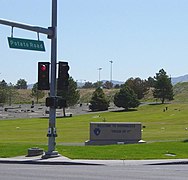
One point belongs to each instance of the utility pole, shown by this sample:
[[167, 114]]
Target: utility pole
[[52, 34]]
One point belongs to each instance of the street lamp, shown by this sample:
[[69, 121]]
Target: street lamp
[[111, 71], [99, 73]]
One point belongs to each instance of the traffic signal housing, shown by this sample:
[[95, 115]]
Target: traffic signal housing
[[43, 76], [63, 76]]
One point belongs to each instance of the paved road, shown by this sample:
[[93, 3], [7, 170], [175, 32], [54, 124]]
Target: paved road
[[89, 172], [36, 168]]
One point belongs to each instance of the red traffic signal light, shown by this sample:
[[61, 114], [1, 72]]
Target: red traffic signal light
[[43, 67], [43, 76]]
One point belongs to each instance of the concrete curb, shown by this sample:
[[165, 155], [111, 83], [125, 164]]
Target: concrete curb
[[171, 163], [46, 162], [38, 160], [66, 161]]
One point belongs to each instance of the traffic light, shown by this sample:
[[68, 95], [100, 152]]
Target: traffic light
[[43, 76], [63, 76]]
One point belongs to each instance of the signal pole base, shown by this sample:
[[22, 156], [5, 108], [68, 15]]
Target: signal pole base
[[53, 154]]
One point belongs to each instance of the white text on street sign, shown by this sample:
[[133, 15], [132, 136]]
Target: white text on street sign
[[27, 44]]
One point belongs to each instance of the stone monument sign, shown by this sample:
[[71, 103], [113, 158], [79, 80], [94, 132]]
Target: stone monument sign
[[103, 133]]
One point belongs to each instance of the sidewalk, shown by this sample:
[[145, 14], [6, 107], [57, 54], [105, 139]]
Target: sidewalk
[[61, 160]]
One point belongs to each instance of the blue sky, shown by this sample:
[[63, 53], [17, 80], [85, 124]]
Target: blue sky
[[139, 36]]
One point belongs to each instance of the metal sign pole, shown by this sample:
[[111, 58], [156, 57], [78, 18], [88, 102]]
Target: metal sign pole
[[42, 30], [52, 118]]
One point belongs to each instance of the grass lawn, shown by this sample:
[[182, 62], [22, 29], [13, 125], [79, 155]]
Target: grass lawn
[[157, 150], [166, 130]]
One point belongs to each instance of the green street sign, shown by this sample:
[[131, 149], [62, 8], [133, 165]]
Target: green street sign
[[26, 44]]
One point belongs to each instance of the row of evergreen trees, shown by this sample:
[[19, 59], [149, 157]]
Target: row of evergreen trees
[[8, 91], [132, 91]]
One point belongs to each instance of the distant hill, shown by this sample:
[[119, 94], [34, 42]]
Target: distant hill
[[114, 82], [179, 79], [181, 92]]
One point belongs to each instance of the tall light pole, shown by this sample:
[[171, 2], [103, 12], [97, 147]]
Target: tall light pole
[[99, 74], [111, 71]]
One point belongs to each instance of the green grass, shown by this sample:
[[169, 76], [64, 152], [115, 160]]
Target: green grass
[[15, 149], [131, 151], [157, 150], [166, 129]]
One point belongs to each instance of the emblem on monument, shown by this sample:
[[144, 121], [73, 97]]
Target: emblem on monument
[[97, 131]]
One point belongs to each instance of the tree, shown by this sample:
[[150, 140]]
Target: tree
[[108, 85], [139, 86], [37, 93], [88, 85], [21, 84], [116, 86], [163, 88], [11, 93], [97, 84], [126, 98], [7, 92], [99, 101], [151, 82], [3, 84], [3, 91], [72, 95]]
